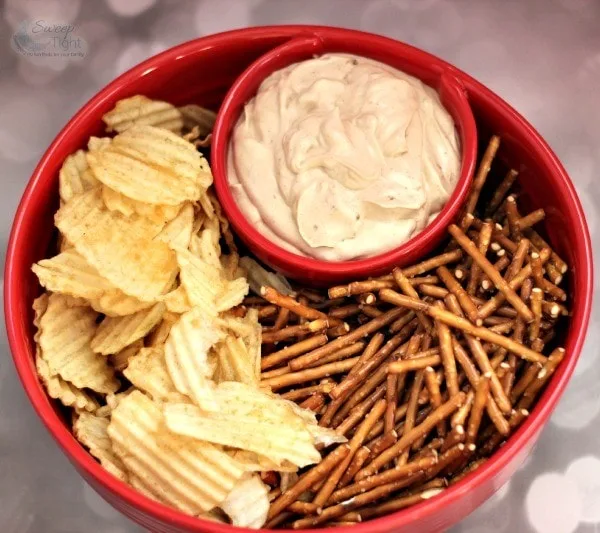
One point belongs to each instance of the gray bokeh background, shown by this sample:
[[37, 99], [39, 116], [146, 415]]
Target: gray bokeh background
[[543, 56]]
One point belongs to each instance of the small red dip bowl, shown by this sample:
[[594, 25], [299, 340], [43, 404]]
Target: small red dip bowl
[[202, 71], [428, 69]]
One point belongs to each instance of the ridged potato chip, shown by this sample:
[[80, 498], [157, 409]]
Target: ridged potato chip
[[177, 300], [254, 462], [91, 431], [195, 115], [75, 176], [119, 249], [178, 231], [152, 165], [207, 246], [158, 336], [187, 356], [234, 363], [247, 505], [120, 360], [69, 273], [147, 370], [249, 419], [98, 143], [63, 391], [142, 110], [232, 295], [115, 333], [202, 282], [66, 331], [190, 475], [116, 303], [158, 214]]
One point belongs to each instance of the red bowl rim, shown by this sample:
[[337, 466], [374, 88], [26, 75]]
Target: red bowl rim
[[18, 330], [319, 41]]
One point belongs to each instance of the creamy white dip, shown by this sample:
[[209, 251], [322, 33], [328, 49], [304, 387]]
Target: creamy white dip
[[341, 157]]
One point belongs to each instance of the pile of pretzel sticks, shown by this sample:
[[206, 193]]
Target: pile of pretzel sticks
[[426, 370]]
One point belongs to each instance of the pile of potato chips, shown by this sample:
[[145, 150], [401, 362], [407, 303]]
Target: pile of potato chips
[[137, 331]]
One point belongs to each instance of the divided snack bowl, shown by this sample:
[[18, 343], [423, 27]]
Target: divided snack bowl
[[202, 71]]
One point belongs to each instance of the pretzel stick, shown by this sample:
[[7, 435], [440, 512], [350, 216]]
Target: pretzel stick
[[486, 368], [405, 286], [358, 287], [305, 392], [351, 381], [371, 349], [439, 414], [342, 353], [355, 465], [524, 381], [267, 311], [358, 412], [344, 311], [399, 323], [495, 302], [353, 398], [433, 291], [454, 437], [277, 520], [387, 476], [430, 264], [471, 467], [547, 286], [435, 396], [485, 236], [459, 418], [354, 444], [383, 442], [555, 276], [366, 298], [518, 259], [417, 363], [486, 283], [536, 307], [392, 402], [482, 173], [351, 337], [447, 353], [554, 309], [492, 408], [535, 217], [399, 503], [481, 394], [289, 352], [463, 298], [308, 479], [492, 273], [411, 413], [303, 508], [447, 459], [501, 191], [275, 372], [460, 323], [357, 501], [494, 441], [314, 402], [542, 377], [282, 318], [512, 216], [540, 244], [293, 378], [288, 332]]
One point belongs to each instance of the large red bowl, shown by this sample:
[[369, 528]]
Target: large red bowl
[[201, 71]]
